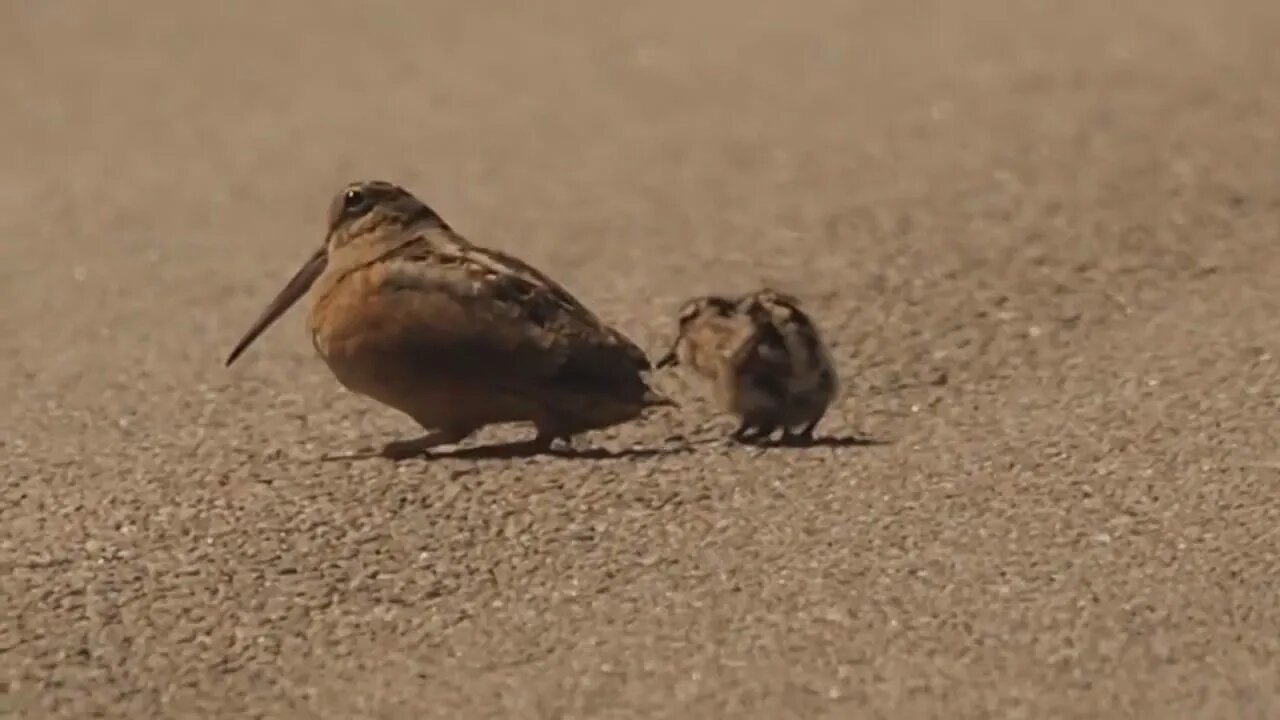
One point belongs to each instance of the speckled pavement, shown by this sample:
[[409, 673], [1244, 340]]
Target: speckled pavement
[[1042, 237]]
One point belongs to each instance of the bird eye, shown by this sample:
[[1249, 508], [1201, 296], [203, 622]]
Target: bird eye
[[720, 305], [353, 200], [352, 203]]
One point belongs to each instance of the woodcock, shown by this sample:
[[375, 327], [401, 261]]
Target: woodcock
[[406, 311], [811, 380], [764, 358]]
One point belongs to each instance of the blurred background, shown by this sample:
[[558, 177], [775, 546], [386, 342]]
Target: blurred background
[[1041, 237]]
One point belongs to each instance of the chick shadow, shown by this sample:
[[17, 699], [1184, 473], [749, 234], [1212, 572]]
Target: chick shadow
[[785, 443], [836, 441]]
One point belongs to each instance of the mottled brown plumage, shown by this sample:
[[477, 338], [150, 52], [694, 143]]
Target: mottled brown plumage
[[811, 381], [764, 359], [406, 311]]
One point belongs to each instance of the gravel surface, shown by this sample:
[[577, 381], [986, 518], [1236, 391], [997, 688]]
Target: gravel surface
[[1043, 239]]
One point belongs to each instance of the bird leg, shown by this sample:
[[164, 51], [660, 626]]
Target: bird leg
[[403, 449], [539, 444], [764, 432], [549, 434], [754, 430], [803, 436]]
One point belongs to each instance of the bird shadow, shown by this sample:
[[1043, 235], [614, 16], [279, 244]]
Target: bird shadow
[[521, 450], [842, 441]]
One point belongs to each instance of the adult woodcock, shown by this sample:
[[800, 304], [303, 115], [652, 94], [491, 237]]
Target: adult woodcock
[[406, 311]]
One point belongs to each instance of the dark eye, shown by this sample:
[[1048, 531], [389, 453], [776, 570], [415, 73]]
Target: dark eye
[[353, 201], [720, 306], [754, 309]]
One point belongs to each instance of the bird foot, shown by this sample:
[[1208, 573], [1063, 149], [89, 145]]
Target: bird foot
[[753, 434], [419, 446], [404, 449], [797, 439]]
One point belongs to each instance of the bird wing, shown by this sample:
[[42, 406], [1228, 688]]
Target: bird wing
[[471, 310], [764, 361], [518, 272]]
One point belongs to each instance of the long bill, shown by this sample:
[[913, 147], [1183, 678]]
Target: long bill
[[292, 292]]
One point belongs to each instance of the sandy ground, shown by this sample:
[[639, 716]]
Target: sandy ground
[[1042, 237]]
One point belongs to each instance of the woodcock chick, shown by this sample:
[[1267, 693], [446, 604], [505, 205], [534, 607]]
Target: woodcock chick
[[406, 311], [765, 359]]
